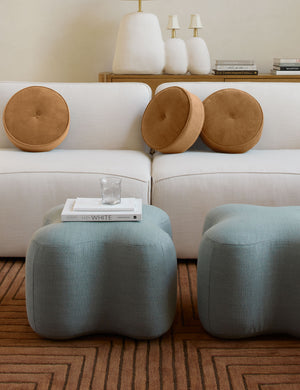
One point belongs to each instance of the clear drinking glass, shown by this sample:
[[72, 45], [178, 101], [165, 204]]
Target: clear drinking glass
[[110, 190]]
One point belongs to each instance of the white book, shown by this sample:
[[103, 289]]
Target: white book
[[70, 215], [95, 204], [286, 60], [286, 72], [236, 67], [235, 62]]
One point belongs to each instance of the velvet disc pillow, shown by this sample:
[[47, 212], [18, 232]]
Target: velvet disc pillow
[[36, 119], [233, 121], [172, 120]]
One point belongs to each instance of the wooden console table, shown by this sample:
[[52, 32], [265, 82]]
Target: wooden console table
[[155, 80]]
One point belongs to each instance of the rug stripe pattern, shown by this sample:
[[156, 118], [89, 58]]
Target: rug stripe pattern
[[186, 358]]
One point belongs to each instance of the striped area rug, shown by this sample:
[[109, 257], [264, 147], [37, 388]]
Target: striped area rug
[[184, 358]]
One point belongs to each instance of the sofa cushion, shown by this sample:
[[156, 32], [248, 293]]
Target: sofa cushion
[[31, 183], [188, 185], [173, 120], [233, 121], [36, 119]]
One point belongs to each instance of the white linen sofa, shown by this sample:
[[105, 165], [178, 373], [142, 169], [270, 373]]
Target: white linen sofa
[[189, 184], [105, 139]]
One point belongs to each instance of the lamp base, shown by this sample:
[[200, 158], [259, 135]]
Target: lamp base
[[176, 56], [140, 47], [198, 56]]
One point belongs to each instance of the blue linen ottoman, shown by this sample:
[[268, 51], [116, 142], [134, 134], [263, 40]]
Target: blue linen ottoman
[[249, 271], [102, 277]]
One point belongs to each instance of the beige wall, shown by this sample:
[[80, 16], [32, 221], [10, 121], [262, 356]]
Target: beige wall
[[74, 40]]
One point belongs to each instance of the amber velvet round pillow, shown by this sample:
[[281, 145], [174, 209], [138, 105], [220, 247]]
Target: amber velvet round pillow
[[172, 120], [36, 119], [233, 121]]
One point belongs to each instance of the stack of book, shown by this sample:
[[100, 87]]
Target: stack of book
[[235, 67], [93, 210], [286, 66]]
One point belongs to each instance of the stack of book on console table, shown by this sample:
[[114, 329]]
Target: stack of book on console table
[[235, 67], [286, 66], [93, 210]]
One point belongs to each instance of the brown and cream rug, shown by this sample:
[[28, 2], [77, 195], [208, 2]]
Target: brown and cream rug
[[184, 358]]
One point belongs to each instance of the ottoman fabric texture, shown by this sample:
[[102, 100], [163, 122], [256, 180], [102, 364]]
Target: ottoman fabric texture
[[248, 271], [102, 277]]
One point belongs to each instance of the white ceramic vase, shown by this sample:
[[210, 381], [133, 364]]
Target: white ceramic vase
[[140, 47], [198, 56], [176, 56]]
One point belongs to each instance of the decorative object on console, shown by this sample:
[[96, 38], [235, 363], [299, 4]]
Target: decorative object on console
[[233, 121], [235, 67], [140, 47], [36, 119], [173, 120], [286, 66], [176, 53], [198, 55]]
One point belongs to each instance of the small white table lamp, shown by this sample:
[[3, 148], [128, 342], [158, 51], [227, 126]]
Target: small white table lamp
[[140, 47], [176, 53], [198, 55], [173, 24]]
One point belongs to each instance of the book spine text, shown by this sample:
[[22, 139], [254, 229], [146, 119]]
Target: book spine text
[[99, 218]]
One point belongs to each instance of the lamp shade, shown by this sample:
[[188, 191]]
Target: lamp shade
[[196, 21], [173, 23]]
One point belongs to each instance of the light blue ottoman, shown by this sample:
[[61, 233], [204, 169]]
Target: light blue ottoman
[[102, 277], [249, 271]]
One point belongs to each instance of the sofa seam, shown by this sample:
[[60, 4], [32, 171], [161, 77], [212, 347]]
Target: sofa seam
[[227, 173], [73, 172]]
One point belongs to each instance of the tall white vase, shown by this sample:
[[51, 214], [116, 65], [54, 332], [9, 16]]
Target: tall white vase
[[176, 56], [198, 56], [140, 47]]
